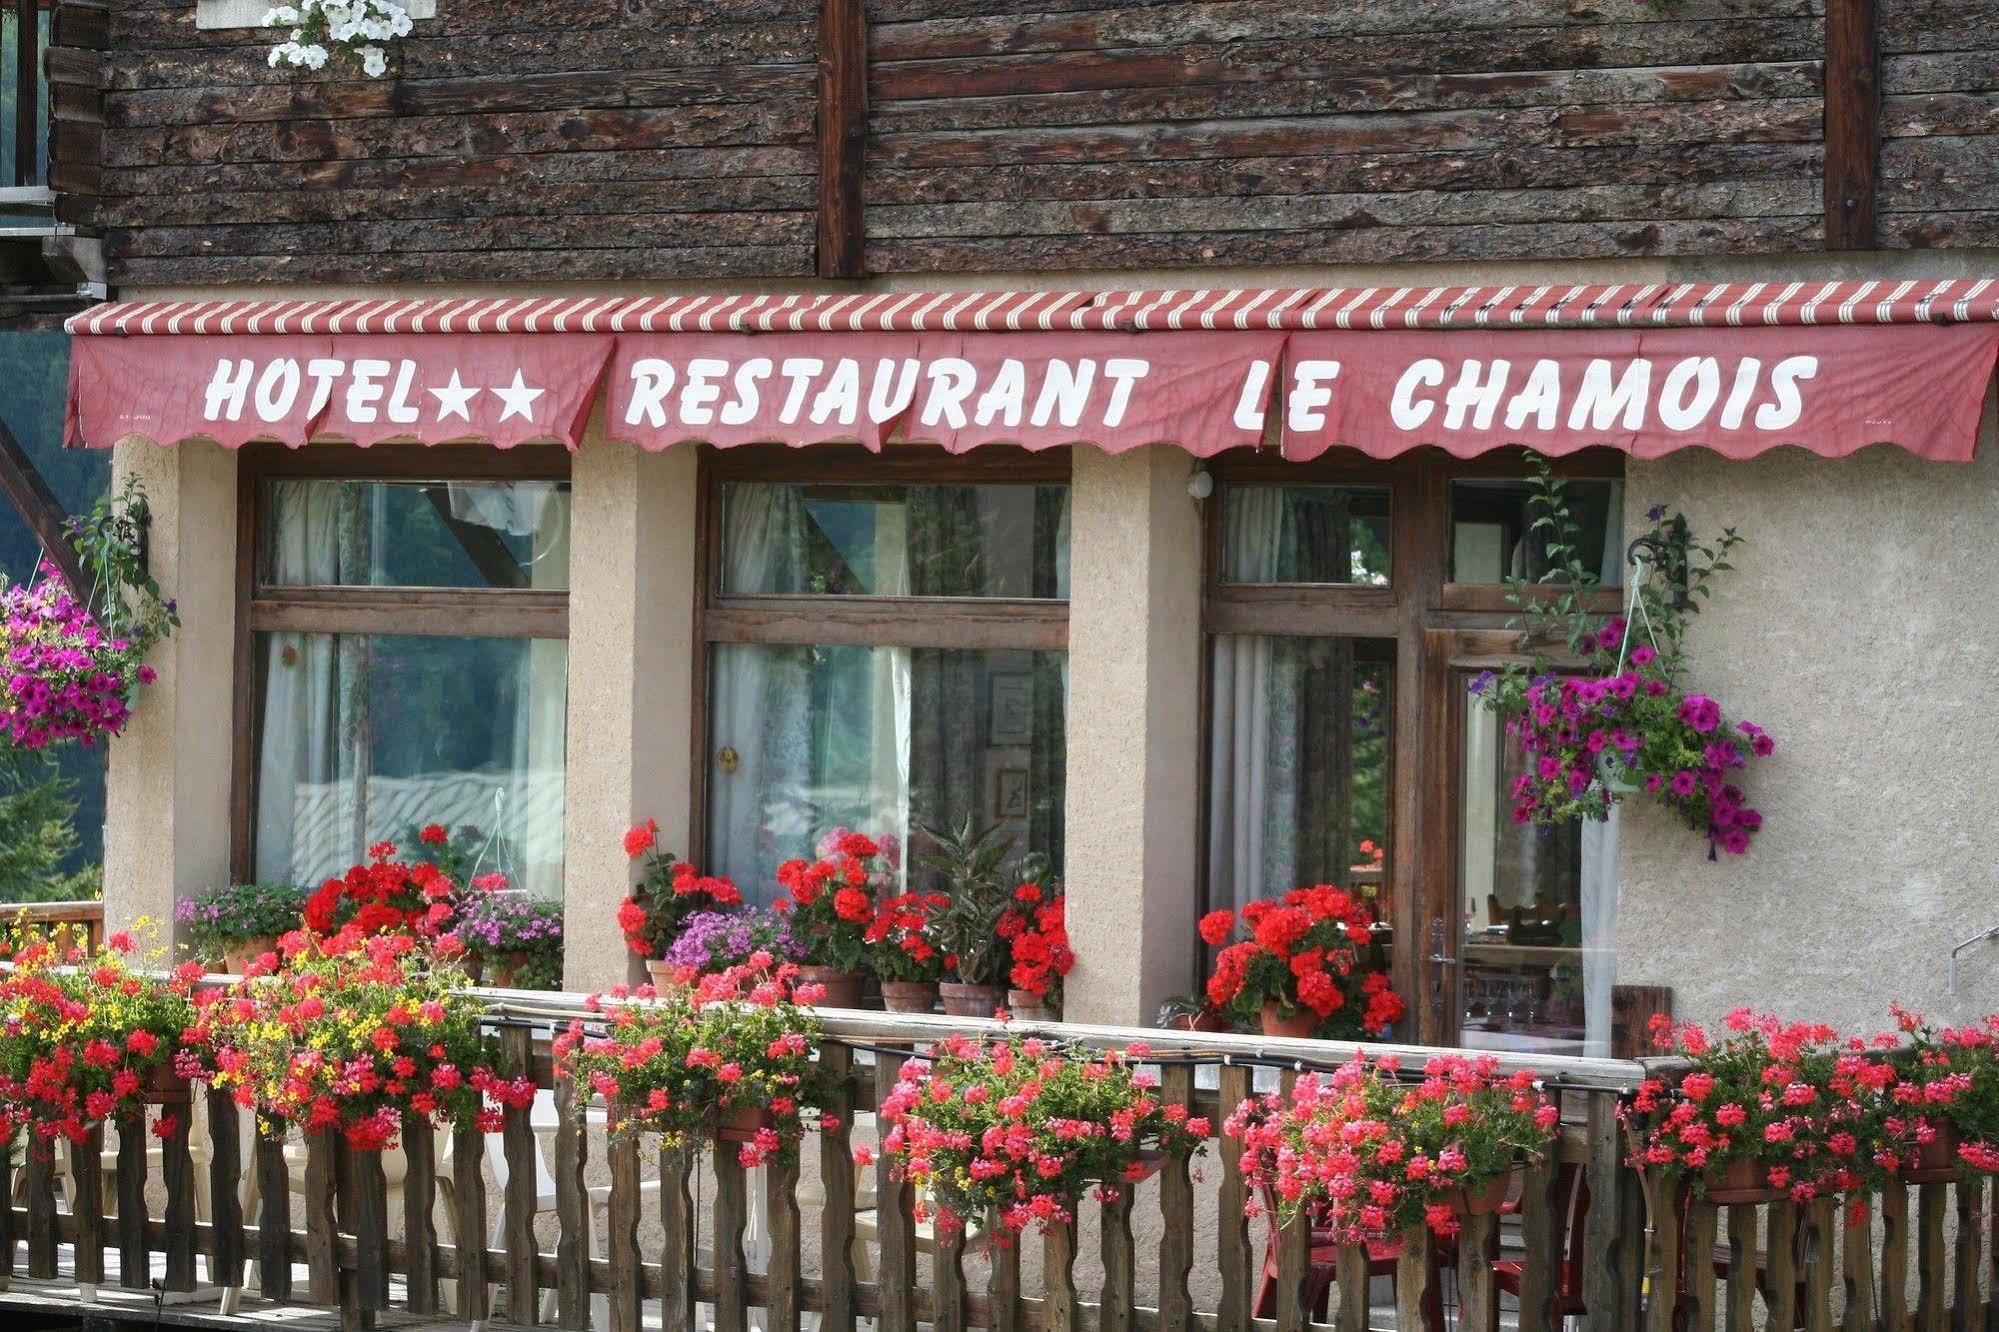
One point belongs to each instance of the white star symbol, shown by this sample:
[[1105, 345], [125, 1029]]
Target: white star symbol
[[519, 398], [453, 398]]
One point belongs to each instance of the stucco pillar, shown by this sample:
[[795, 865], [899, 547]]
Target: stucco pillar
[[631, 691], [166, 803], [1134, 732]]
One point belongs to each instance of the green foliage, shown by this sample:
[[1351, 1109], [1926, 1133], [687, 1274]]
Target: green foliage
[[38, 836], [979, 869], [237, 912]]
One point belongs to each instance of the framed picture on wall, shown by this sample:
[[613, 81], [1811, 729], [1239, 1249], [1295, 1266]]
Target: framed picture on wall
[[1010, 794], [1010, 708]]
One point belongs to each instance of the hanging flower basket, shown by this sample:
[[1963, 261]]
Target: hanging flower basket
[[1629, 723], [72, 666]]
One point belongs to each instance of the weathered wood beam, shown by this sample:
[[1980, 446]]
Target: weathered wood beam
[[1852, 122], [40, 510], [843, 117]]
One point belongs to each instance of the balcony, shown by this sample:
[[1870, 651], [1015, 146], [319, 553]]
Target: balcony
[[550, 1222], [51, 127]]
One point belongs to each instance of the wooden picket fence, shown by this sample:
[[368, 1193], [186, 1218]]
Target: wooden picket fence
[[1620, 1259]]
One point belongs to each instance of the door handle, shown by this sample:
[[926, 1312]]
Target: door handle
[[1437, 953]]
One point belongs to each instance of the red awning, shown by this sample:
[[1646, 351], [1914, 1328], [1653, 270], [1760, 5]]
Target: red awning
[[1739, 368]]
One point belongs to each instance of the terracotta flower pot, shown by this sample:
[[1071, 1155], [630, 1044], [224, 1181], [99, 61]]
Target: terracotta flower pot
[[1299, 1026], [741, 1123], [909, 996], [1936, 1160], [843, 988], [1027, 1006], [971, 1001], [504, 971], [238, 956], [165, 1087], [1740, 1182], [1485, 1199], [659, 973], [1205, 1020]]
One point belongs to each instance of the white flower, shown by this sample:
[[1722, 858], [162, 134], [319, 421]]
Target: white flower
[[373, 63], [284, 16]]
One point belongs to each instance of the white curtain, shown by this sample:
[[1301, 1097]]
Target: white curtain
[[306, 804], [1597, 874], [320, 800], [1253, 782]]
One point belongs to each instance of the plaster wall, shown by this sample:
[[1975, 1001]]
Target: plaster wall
[[1861, 629], [632, 589], [1134, 731], [166, 807]]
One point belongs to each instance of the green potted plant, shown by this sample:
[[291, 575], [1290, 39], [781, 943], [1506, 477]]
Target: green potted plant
[[1768, 1109], [832, 904], [1949, 1084], [979, 870], [667, 893], [1370, 1155], [233, 925], [1302, 965], [728, 1057], [512, 941], [903, 951], [1021, 1129]]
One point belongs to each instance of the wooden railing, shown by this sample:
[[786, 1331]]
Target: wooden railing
[[68, 924], [552, 1223]]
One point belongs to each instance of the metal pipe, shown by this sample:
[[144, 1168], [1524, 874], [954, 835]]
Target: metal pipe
[[1979, 938]]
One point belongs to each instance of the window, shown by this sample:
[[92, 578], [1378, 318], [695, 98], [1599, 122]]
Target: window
[[1348, 604], [406, 619], [887, 651]]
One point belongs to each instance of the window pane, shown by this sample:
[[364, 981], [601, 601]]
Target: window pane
[[333, 533], [1305, 534], [1540, 912], [1300, 737], [895, 541], [803, 740], [364, 738], [1493, 536]]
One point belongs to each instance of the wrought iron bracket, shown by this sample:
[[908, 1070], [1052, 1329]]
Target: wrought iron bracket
[[1666, 554]]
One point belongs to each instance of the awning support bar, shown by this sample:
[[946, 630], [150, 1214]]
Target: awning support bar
[[41, 511]]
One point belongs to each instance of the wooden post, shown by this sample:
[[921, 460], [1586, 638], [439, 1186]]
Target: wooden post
[[622, 1244], [781, 1205], [225, 1200], [177, 1170], [1119, 1312], [41, 1186], [321, 1226], [732, 1304], [676, 1222], [419, 1196], [87, 1206], [468, 1198], [836, 1177], [274, 1224], [39, 508], [1741, 1300], [1543, 1240], [894, 1228], [1003, 1289], [1232, 1240], [27, 90], [1852, 123], [517, 1141], [1059, 1310], [843, 119], [572, 1210], [1176, 1210], [947, 1280]]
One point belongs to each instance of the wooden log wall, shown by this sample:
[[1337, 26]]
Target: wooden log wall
[[516, 139], [654, 139], [1939, 113]]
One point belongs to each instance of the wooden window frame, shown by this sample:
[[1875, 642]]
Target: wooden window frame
[[1430, 621], [416, 612], [968, 623]]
